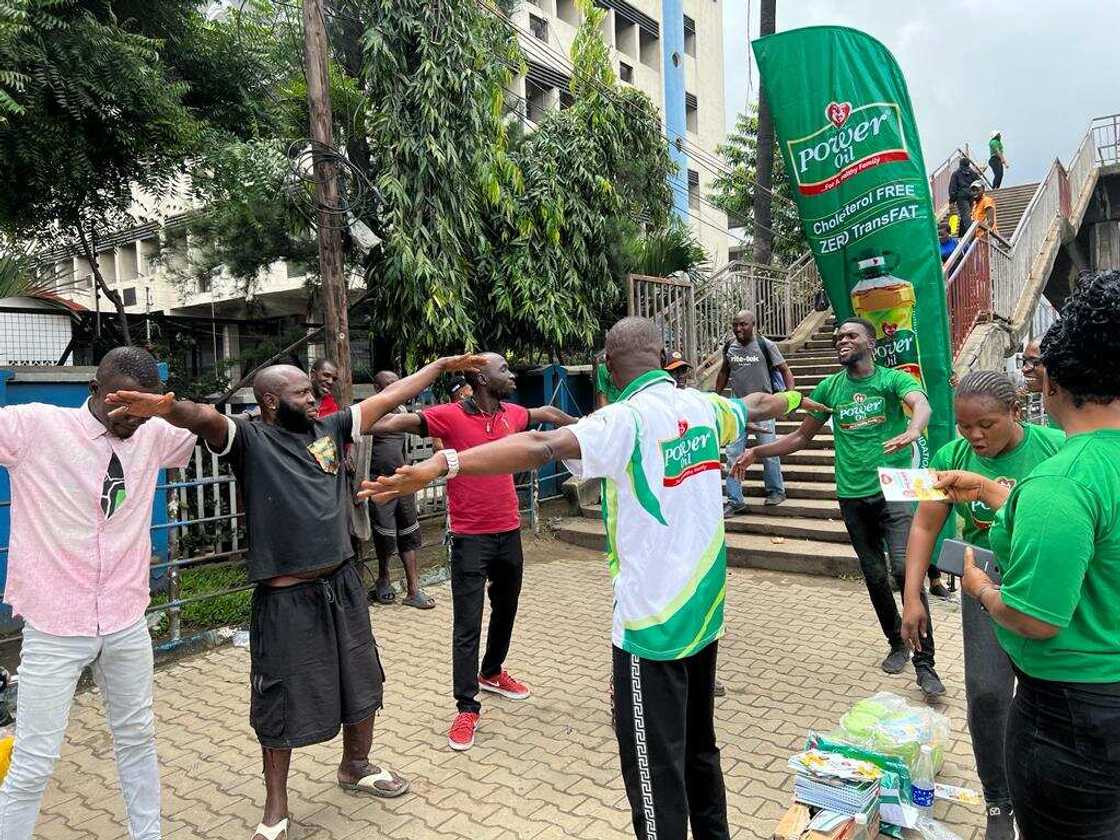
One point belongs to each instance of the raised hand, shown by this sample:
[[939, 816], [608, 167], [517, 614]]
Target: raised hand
[[467, 363], [743, 463], [138, 404], [405, 481]]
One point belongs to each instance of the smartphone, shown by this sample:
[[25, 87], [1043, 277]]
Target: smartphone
[[951, 559]]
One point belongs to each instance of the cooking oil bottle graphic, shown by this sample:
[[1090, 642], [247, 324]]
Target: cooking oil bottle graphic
[[888, 303]]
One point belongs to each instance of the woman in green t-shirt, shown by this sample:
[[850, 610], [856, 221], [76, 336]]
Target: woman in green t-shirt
[[1056, 538], [995, 443]]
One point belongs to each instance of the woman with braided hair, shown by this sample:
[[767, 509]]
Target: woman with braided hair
[[1056, 538], [995, 443]]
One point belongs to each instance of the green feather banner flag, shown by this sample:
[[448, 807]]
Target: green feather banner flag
[[845, 127]]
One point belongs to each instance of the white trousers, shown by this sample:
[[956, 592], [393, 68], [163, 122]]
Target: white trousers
[[49, 669]]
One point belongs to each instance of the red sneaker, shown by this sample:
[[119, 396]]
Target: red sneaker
[[461, 736], [504, 685]]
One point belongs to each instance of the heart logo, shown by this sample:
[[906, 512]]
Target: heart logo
[[838, 112], [890, 329], [682, 427]]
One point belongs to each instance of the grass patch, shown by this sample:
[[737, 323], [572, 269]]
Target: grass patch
[[232, 609]]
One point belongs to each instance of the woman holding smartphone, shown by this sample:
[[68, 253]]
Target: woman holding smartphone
[[1056, 538], [994, 443]]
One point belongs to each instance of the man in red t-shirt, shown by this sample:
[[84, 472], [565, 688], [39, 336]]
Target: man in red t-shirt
[[323, 376], [485, 535]]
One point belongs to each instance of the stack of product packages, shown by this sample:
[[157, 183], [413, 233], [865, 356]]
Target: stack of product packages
[[855, 782]]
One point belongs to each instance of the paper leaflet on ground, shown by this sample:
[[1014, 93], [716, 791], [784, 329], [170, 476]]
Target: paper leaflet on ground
[[909, 486], [835, 782]]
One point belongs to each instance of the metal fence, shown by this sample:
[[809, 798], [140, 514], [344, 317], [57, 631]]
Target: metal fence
[[697, 319], [987, 278], [206, 521]]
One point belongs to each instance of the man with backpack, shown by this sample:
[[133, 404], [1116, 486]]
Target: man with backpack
[[753, 364]]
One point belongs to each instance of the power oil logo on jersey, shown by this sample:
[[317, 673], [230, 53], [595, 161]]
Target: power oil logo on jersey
[[862, 412], [695, 451]]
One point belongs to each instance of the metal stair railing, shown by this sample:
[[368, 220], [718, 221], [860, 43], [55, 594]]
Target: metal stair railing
[[989, 278]]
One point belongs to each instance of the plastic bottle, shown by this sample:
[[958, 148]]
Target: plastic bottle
[[922, 781], [861, 830]]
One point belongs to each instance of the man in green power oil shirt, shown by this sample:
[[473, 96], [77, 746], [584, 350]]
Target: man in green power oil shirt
[[871, 431]]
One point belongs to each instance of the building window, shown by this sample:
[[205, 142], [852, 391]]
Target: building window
[[693, 190], [625, 36], [650, 50], [536, 100], [689, 36], [568, 12], [539, 27], [205, 282], [129, 296], [626, 72], [691, 113]]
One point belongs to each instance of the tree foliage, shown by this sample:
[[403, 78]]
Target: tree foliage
[[734, 193], [114, 98], [498, 237], [435, 85], [674, 249]]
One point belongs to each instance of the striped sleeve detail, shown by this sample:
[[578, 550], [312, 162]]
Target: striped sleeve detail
[[731, 418]]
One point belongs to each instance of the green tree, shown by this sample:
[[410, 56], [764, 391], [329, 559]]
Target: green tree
[[665, 252], [435, 85], [493, 233], [115, 97], [592, 173], [734, 193]]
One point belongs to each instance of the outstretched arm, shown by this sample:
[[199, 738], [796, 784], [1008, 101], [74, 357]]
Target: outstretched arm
[[523, 451], [919, 419], [763, 406], [203, 420], [550, 414], [392, 423], [403, 390], [782, 446]]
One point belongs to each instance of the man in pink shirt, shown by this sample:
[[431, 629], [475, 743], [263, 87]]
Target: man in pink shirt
[[78, 571]]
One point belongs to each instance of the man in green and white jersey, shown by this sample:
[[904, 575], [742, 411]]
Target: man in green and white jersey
[[658, 447]]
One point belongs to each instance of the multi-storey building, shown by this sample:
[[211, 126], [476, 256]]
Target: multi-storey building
[[670, 49]]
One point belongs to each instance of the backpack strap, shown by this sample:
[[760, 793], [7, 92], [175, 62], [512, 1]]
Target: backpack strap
[[764, 345]]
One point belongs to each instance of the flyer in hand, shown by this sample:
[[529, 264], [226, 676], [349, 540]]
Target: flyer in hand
[[909, 486]]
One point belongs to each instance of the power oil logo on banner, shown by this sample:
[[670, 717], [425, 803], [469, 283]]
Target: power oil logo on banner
[[852, 141]]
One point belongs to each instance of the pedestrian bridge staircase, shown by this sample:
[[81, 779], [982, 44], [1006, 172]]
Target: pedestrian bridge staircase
[[993, 284], [1011, 204]]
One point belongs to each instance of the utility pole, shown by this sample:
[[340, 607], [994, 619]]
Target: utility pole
[[336, 321], [762, 240]]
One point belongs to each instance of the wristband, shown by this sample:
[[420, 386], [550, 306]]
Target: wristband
[[452, 458], [793, 400], [980, 595]]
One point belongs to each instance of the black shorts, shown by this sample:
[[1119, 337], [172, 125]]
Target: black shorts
[[314, 661], [396, 527]]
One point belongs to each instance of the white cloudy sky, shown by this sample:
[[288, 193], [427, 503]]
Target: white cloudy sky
[[1037, 69]]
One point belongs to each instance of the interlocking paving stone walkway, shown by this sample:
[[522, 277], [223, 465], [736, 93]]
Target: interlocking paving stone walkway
[[798, 652]]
